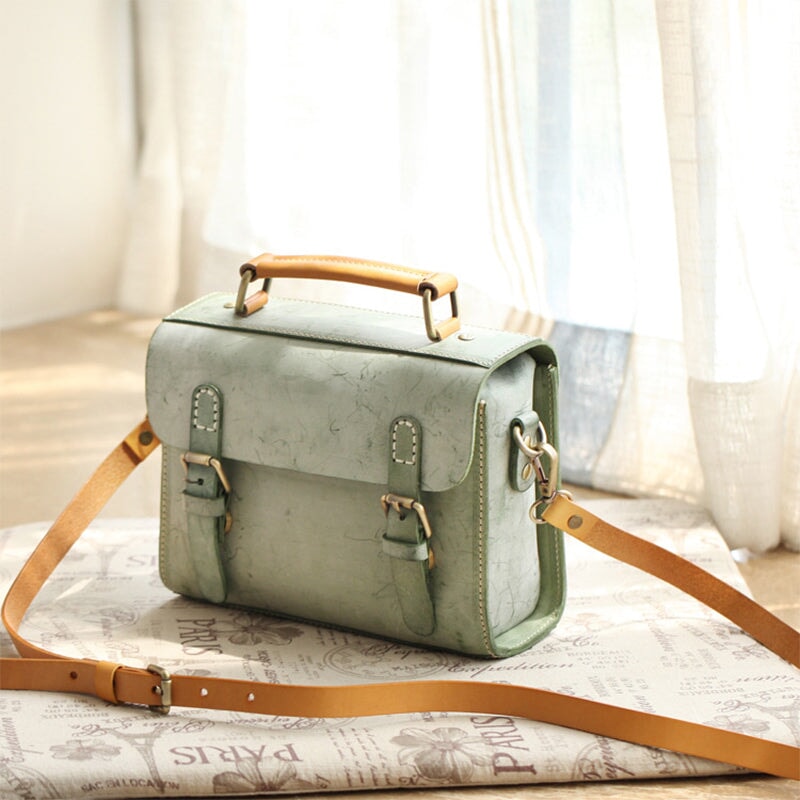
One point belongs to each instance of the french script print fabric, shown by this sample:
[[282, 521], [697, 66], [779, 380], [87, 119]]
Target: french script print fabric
[[624, 639]]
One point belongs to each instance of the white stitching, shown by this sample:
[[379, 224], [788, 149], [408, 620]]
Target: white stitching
[[395, 457], [163, 555], [481, 524], [196, 410], [354, 262]]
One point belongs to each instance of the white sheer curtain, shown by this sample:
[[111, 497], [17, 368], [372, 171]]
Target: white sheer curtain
[[620, 175]]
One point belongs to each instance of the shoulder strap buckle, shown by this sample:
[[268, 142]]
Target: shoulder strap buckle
[[163, 690]]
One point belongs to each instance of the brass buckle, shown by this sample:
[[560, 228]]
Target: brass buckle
[[204, 460], [400, 504], [164, 690]]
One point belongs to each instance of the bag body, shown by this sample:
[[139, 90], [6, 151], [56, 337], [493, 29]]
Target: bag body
[[334, 465]]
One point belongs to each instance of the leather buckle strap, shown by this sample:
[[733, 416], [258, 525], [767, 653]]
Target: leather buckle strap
[[407, 538], [206, 492]]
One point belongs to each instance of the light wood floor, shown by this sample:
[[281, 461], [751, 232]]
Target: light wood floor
[[70, 390]]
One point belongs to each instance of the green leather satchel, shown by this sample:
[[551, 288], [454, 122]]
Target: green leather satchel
[[345, 467]]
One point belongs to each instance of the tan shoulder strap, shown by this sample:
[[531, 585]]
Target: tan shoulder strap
[[42, 670], [689, 578]]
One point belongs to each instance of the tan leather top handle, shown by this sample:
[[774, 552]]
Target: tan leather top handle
[[352, 270], [428, 285]]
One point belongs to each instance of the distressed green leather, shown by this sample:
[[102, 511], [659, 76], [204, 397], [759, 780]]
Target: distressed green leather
[[311, 396], [203, 499]]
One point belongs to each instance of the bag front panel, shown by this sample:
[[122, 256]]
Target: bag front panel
[[309, 546]]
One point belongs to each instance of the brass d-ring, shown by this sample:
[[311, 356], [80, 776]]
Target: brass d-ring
[[441, 331], [245, 305]]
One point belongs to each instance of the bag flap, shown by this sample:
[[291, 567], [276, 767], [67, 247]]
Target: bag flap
[[314, 387]]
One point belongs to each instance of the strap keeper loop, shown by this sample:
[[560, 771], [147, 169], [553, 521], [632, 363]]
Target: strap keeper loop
[[104, 673]]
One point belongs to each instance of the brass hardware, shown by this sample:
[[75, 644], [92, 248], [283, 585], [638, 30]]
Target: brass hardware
[[527, 471], [248, 276], [530, 449], [400, 503], [445, 328], [575, 522], [547, 481], [164, 691], [206, 461], [247, 305], [146, 438], [534, 452]]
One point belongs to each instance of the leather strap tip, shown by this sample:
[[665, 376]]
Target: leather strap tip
[[448, 327], [439, 284], [255, 302], [141, 441], [252, 266], [104, 681]]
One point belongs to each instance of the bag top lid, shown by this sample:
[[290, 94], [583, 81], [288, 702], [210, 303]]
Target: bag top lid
[[314, 387]]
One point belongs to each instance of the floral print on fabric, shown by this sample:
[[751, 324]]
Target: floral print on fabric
[[82, 751], [444, 755], [252, 775], [253, 629]]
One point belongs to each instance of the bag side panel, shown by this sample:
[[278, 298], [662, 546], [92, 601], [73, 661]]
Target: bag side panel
[[511, 562], [550, 541]]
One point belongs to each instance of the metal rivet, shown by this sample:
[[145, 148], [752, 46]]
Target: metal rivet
[[145, 438], [204, 692], [574, 522], [466, 337], [251, 697], [230, 305]]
